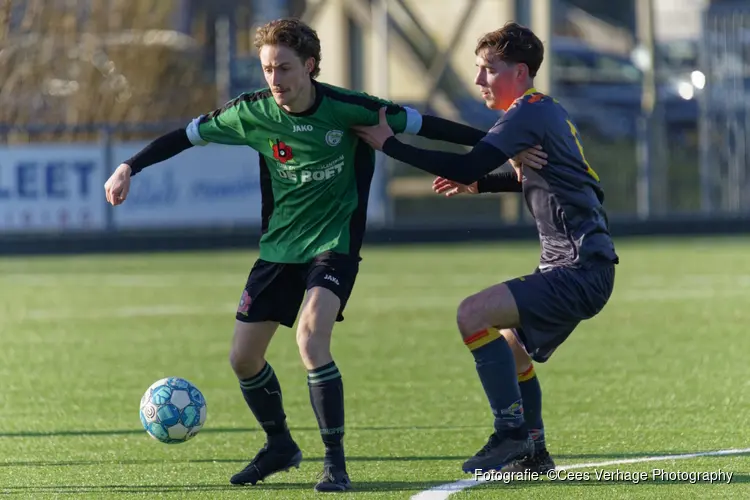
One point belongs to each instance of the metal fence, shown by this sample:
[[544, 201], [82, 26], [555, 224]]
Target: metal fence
[[99, 74], [725, 111]]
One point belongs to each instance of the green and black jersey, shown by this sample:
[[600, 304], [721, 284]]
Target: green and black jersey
[[315, 173]]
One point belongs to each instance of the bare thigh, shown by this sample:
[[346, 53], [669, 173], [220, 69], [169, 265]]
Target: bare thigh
[[522, 358], [493, 307], [315, 327]]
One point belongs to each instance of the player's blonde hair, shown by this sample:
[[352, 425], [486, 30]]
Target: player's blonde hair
[[292, 33]]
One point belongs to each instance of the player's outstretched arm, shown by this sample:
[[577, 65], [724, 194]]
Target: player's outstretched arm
[[358, 108], [118, 185], [440, 129], [227, 125], [463, 168], [496, 182], [517, 131], [159, 150]]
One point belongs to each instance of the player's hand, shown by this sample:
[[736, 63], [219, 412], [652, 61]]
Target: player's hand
[[442, 185], [375, 135], [532, 157], [117, 186]]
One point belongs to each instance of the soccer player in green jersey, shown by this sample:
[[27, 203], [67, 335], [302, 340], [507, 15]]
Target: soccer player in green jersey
[[315, 178]]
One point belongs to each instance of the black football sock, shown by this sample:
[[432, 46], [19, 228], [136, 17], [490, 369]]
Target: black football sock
[[531, 393], [497, 372], [327, 399], [262, 394]]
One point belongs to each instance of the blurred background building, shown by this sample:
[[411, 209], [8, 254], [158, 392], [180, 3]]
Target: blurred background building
[[659, 90]]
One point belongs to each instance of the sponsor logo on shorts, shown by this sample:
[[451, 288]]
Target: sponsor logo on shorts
[[244, 303], [332, 279]]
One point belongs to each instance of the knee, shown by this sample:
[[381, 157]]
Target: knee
[[313, 344], [465, 317], [245, 363]]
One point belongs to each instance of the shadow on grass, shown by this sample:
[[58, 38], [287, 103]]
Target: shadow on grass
[[315, 459], [218, 430], [242, 460]]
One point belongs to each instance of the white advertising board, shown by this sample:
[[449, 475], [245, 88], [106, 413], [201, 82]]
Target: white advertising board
[[204, 186], [201, 187], [51, 187]]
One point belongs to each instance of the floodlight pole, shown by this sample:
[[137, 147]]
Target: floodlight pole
[[651, 184], [380, 60]]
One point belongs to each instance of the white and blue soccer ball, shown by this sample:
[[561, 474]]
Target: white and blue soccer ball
[[173, 410]]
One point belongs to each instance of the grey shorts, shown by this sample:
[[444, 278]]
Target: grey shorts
[[551, 303]]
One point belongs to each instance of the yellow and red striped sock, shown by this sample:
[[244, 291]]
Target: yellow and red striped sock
[[531, 393], [481, 338], [527, 375], [493, 358]]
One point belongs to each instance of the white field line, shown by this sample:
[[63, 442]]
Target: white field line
[[444, 491]]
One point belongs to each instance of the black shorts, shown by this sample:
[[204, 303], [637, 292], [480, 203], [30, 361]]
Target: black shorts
[[274, 292], [551, 304]]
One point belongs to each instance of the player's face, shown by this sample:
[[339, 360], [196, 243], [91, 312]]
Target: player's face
[[287, 76], [500, 83]]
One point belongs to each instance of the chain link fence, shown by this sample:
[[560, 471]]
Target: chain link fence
[[78, 71], [725, 111]]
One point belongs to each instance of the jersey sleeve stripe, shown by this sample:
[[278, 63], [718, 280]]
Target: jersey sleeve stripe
[[413, 120], [193, 128], [194, 134], [250, 97], [362, 100]]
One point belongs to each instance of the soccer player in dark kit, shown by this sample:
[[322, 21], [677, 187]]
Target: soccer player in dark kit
[[510, 324], [315, 177]]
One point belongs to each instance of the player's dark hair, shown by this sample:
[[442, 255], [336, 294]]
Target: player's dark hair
[[292, 33], [513, 43]]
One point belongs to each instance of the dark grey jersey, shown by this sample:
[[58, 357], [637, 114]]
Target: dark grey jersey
[[564, 197]]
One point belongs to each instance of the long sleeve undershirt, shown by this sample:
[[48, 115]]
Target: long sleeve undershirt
[[436, 128], [162, 148], [464, 168]]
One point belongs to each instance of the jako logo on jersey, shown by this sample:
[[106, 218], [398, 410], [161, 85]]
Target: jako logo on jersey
[[281, 151], [334, 279], [333, 137], [302, 128]]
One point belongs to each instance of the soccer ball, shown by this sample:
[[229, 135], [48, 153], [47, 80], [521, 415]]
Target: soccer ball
[[173, 410]]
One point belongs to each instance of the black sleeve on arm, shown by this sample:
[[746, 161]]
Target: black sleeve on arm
[[440, 129], [463, 168], [163, 148], [499, 182]]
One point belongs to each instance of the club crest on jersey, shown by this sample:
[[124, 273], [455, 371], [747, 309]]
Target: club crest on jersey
[[281, 151], [333, 137]]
